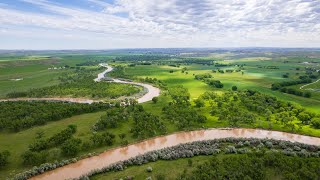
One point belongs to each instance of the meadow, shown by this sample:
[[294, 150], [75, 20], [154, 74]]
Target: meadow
[[254, 78], [21, 73]]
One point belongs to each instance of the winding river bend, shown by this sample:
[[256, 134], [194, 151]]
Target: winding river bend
[[119, 154], [151, 91]]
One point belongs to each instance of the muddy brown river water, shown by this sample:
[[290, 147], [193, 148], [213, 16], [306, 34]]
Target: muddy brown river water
[[114, 155]]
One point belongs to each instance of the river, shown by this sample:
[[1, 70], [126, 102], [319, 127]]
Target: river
[[118, 154]]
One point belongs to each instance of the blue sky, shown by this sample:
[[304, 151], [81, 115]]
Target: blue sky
[[108, 24]]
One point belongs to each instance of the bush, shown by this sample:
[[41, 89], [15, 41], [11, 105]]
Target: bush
[[34, 158], [71, 147], [199, 103], [234, 88], [155, 99], [269, 144], [149, 169], [315, 122], [4, 156], [230, 150]]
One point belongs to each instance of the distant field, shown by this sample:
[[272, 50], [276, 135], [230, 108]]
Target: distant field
[[314, 86], [23, 58], [253, 78], [24, 73]]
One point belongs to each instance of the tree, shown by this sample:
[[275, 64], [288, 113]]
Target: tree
[[234, 88], [62, 136], [180, 95], [304, 117], [4, 156], [146, 125], [71, 147], [315, 122], [122, 136], [155, 99], [102, 139], [34, 158], [285, 76], [199, 102], [307, 94]]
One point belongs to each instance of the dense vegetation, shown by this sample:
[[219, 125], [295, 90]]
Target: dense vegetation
[[282, 86], [207, 78], [39, 150], [256, 166], [260, 154], [249, 107], [145, 124], [15, 116], [4, 155], [62, 144]]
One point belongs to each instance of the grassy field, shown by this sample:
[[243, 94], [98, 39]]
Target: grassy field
[[253, 78], [35, 73], [26, 72], [168, 168], [17, 143]]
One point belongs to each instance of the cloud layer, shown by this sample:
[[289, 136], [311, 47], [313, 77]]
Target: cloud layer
[[101, 24]]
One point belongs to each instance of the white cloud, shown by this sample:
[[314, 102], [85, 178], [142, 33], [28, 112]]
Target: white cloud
[[180, 23]]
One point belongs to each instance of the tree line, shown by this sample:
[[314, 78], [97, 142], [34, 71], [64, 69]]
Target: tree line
[[255, 166], [281, 86], [18, 115], [63, 144], [251, 107], [207, 78]]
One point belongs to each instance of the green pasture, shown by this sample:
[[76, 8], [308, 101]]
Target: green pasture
[[253, 78], [33, 71]]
